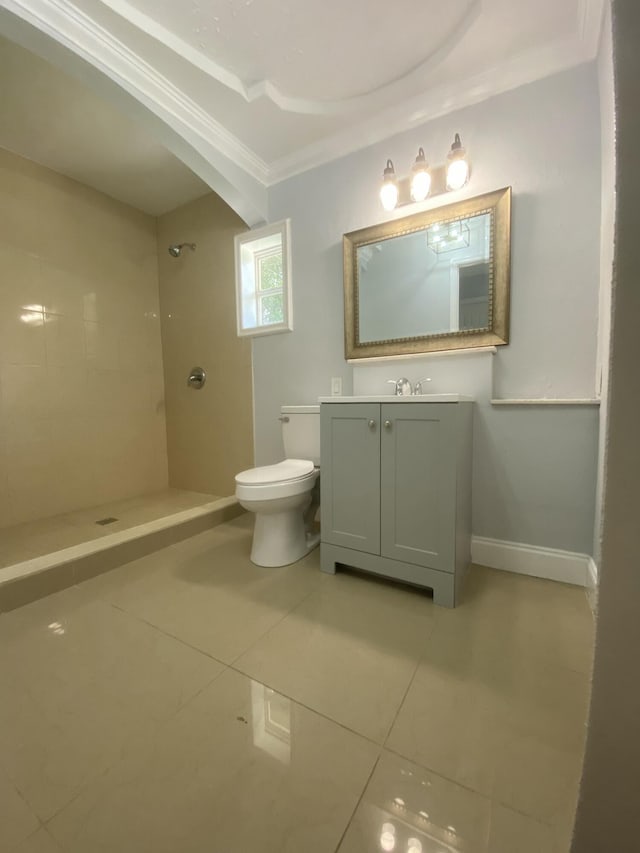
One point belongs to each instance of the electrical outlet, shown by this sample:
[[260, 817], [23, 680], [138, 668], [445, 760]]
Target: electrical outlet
[[336, 386]]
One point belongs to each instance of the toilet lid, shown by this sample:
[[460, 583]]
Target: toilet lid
[[290, 469]]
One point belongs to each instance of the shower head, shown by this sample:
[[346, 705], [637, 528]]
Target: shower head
[[175, 249]]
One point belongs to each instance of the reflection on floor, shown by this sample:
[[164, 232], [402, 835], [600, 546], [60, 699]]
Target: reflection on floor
[[35, 538], [191, 701]]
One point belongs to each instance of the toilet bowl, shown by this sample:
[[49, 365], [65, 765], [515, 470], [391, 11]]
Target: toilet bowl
[[281, 494]]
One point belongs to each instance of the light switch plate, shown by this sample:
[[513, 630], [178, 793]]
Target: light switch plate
[[336, 386]]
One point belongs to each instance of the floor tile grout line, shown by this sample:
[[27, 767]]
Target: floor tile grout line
[[111, 765], [409, 685], [272, 627], [357, 805], [27, 838], [184, 705], [164, 722], [226, 668], [166, 633], [232, 665], [307, 707], [163, 632], [490, 799], [27, 804]]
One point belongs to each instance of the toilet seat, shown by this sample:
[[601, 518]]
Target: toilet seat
[[286, 479], [288, 469]]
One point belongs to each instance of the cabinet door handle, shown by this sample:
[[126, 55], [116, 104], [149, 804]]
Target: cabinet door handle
[[372, 424], [387, 424]]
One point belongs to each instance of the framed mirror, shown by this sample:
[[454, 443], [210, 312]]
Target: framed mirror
[[436, 280]]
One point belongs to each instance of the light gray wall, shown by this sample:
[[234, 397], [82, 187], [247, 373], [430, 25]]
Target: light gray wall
[[608, 817], [544, 140], [533, 467]]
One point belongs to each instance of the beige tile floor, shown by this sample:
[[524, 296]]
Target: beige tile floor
[[35, 538], [192, 702]]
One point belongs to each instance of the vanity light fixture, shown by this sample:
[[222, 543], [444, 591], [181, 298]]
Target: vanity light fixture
[[389, 188], [424, 180]]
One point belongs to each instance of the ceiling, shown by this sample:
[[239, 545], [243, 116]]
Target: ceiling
[[51, 118], [264, 89]]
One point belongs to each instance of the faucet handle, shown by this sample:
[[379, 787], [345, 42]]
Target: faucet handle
[[403, 386], [417, 388]]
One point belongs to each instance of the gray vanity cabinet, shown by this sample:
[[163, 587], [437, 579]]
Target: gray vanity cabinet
[[396, 491]]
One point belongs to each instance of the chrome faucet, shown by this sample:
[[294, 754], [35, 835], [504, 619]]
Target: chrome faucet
[[402, 386], [417, 388]]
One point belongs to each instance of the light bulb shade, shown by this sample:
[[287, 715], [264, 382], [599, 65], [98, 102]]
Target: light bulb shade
[[458, 168], [389, 195], [389, 188], [420, 185], [420, 177], [457, 174]]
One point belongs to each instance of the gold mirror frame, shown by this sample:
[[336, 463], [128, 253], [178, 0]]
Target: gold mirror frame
[[498, 204]]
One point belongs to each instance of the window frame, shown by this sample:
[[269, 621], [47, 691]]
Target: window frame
[[250, 248]]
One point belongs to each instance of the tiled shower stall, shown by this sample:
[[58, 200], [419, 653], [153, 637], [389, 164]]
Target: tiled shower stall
[[99, 327]]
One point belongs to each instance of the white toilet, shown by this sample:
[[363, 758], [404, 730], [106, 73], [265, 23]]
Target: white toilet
[[281, 494]]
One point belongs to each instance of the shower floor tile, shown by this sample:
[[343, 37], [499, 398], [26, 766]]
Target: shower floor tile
[[192, 701], [35, 538]]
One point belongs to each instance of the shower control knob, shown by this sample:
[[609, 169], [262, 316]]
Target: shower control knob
[[197, 378]]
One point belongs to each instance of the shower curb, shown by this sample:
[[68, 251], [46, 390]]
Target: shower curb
[[32, 579]]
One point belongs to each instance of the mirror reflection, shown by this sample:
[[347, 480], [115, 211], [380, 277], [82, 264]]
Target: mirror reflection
[[430, 282], [436, 280]]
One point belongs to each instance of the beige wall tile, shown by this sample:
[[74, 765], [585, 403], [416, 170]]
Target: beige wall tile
[[63, 292], [22, 287], [138, 342], [6, 517], [209, 432], [22, 337], [18, 204], [83, 415], [68, 389], [65, 341], [101, 341], [24, 392]]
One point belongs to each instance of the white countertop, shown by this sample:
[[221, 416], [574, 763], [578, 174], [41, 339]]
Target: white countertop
[[392, 398]]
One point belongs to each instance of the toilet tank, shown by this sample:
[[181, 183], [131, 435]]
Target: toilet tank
[[301, 432]]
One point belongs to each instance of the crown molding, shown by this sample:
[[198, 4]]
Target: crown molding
[[78, 32], [374, 99], [435, 103], [75, 30]]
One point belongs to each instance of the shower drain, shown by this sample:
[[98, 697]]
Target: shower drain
[[104, 521]]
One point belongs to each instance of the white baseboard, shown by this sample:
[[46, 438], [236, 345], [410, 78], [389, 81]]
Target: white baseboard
[[549, 563]]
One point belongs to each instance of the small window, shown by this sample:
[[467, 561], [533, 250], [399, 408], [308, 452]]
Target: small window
[[263, 293]]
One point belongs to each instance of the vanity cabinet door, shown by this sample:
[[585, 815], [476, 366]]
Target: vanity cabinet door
[[350, 475], [418, 483]]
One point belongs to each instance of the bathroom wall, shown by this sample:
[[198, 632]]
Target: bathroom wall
[[534, 469], [209, 431], [81, 397]]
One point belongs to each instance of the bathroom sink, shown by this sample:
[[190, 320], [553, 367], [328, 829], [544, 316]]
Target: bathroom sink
[[391, 398]]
